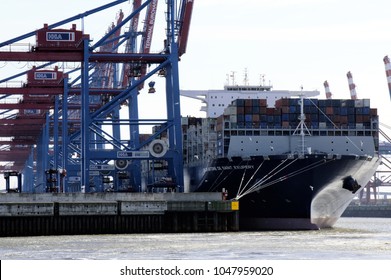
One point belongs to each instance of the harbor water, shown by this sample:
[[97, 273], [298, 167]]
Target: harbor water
[[349, 239]]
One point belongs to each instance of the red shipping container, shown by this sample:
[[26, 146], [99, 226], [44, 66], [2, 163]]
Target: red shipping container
[[248, 103], [269, 111], [262, 102], [329, 111], [240, 110]]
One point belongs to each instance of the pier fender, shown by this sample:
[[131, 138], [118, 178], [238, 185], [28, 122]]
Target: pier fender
[[121, 164], [158, 148], [350, 184]]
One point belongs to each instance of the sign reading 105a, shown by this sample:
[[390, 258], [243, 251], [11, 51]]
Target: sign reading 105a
[[60, 36]]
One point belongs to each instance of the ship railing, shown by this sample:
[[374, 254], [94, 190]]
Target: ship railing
[[286, 131]]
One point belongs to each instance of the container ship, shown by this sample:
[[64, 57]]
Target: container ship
[[291, 160]]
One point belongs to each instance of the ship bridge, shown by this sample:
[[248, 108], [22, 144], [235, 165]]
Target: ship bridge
[[248, 88], [216, 101]]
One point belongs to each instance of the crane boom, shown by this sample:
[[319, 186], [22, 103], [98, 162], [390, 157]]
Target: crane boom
[[327, 89], [103, 75], [146, 39], [149, 24], [387, 65], [352, 86], [131, 43], [111, 47], [185, 19]]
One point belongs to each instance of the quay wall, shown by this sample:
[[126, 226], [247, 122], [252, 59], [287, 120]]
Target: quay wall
[[368, 211], [111, 213], [114, 196]]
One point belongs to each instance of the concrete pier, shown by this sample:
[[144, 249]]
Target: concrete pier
[[109, 213], [368, 211]]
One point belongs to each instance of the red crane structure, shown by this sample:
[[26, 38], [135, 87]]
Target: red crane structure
[[387, 65], [352, 86], [327, 89]]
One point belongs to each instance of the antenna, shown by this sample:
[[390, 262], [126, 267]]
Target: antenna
[[262, 79], [302, 129], [227, 79], [232, 76], [245, 80]]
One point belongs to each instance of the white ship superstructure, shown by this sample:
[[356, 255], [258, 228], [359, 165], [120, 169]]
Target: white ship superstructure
[[217, 100]]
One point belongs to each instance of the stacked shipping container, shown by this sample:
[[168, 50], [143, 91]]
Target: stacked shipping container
[[330, 113], [199, 139], [323, 117]]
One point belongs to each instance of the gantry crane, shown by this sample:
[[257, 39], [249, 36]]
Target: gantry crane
[[79, 146]]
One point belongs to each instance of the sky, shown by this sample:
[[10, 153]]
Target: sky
[[293, 43]]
